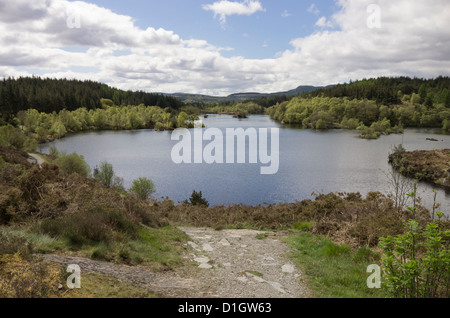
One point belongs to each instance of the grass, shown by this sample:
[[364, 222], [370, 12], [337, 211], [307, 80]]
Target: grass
[[42, 243], [100, 286], [255, 273], [160, 249], [157, 249], [333, 270]]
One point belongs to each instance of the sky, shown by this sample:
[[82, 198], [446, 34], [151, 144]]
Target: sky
[[220, 47]]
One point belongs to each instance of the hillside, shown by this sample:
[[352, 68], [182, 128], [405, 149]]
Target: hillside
[[49, 95], [241, 97]]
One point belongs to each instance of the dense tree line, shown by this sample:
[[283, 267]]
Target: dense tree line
[[391, 90], [31, 127], [370, 118], [49, 95], [268, 101]]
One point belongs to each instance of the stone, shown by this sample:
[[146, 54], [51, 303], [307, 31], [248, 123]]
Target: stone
[[277, 286], [289, 269], [201, 259], [256, 278], [207, 247], [194, 246], [224, 242], [242, 279]]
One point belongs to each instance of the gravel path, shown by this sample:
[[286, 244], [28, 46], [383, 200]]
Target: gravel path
[[244, 264], [36, 159], [225, 264]]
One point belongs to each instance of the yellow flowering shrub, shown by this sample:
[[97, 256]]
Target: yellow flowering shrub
[[28, 278]]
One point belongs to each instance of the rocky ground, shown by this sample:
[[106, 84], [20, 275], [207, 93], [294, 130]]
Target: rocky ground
[[244, 264], [221, 264]]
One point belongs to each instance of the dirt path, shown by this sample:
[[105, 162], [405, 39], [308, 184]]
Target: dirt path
[[36, 159], [225, 264], [244, 264]]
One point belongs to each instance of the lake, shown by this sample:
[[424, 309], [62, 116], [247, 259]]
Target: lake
[[309, 161]]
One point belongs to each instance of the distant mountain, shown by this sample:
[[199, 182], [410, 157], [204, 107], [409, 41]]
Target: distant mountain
[[241, 97]]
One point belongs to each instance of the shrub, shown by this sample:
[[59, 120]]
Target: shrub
[[73, 163], [321, 124], [53, 151], [417, 263], [12, 244], [143, 188], [99, 224], [105, 174], [21, 278], [369, 133]]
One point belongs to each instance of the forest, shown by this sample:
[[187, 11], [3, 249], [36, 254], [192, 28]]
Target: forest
[[35, 110], [371, 106], [391, 90], [49, 95]]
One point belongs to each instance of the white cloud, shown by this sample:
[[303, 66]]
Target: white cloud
[[224, 8], [413, 41], [286, 14], [313, 9], [324, 23]]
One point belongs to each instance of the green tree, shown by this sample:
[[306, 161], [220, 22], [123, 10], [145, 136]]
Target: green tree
[[321, 124], [422, 92], [143, 188], [197, 199], [182, 119], [105, 174]]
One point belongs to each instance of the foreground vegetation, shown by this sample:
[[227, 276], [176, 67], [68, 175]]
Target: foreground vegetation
[[51, 209], [66, 207]]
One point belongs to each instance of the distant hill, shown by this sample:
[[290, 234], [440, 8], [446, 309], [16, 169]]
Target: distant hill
[[241, 97]]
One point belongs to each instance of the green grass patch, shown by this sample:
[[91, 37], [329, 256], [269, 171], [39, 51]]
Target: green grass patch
[[160, 249], [100, 286], [303, 226], [255, 273], [332, 270]]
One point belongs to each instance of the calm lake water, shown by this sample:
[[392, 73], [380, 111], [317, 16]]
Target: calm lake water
[[310, 161]]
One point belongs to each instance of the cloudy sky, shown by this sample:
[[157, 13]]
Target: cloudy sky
[[219, 47]]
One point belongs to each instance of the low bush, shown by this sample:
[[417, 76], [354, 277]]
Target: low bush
[[98, 224], [73, 163]]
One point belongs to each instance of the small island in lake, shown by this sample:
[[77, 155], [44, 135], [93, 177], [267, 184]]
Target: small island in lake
[[431, 166]]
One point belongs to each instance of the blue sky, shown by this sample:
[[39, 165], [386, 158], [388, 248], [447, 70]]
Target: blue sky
[[260, 35], [220, 47]]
